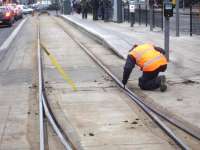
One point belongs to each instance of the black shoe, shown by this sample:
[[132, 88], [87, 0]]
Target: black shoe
[[163, 86]]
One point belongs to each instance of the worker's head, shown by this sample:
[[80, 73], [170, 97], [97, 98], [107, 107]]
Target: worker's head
[[134, 46]]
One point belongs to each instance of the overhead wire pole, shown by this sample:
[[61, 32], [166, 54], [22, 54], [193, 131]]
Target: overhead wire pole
[[190, 17], [146, 14], [132, 12], [168, 12], [56, 7], [167, 37], [162, 11], [177, 18], [151, 2]]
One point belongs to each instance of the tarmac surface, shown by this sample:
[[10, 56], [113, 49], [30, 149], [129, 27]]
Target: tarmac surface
[[181, 100], [5, 31]]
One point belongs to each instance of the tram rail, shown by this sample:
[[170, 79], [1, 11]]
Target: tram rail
[[190, 131], [45, 109], [147, 109]]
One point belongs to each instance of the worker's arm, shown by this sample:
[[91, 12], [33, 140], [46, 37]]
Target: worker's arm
[[130, 64], [159, 49]]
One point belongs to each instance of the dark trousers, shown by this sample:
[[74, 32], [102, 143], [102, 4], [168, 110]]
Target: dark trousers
[[84, 13], [132, 17], [151, 80], [102, 13], [106, 14], [95, 14]]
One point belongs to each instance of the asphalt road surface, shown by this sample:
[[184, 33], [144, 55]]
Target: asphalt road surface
[[5, 31]]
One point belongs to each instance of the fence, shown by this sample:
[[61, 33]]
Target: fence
[[189, 17], [195, 19], [142, 15]]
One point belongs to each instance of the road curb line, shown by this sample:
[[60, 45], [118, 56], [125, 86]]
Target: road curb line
[[9, 40]]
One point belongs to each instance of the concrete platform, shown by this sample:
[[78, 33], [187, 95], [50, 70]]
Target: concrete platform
[[182, 97]]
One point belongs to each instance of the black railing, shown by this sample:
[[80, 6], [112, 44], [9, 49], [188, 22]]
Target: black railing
[[195, 19], [189, 17]]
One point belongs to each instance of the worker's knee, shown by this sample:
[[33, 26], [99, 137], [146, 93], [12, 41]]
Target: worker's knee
[[149, 84], [141, 83]]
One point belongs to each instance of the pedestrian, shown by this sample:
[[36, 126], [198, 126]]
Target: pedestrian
[[84, 8], [152, 61], [78, 7], [95, 7], [101, 8], [57, 8], [106, 6]]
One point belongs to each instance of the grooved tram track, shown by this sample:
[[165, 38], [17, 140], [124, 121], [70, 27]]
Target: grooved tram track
[[45, 108]]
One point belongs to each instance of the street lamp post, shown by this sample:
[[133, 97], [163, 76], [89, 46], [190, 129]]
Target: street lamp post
[[151, 3], [132, 12], [177, 18], [168, 12]]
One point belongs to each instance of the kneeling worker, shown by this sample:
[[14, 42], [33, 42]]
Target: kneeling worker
[[151, 60]]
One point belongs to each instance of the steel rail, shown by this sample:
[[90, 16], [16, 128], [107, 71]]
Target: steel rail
[[41, 112], [139, 102], [44, 108], [53, 123], [191, 131]]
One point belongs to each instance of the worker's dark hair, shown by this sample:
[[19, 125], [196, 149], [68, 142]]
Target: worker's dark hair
[[134, 46]]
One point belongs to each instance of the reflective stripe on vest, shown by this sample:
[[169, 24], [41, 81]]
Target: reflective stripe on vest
[[151, 61], [155, 63]]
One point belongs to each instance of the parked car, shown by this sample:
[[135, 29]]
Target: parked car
[[6, 15], [17, 11], [25, 9], [11, 6]]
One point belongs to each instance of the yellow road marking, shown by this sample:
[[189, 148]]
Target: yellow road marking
[[59, 68]]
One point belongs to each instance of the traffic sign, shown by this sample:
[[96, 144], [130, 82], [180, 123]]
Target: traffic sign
[[131, 8]]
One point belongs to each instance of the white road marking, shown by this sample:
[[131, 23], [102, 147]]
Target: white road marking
[[8, 41]]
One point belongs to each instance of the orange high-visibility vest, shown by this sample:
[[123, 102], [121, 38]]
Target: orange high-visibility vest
[[147, 58]]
